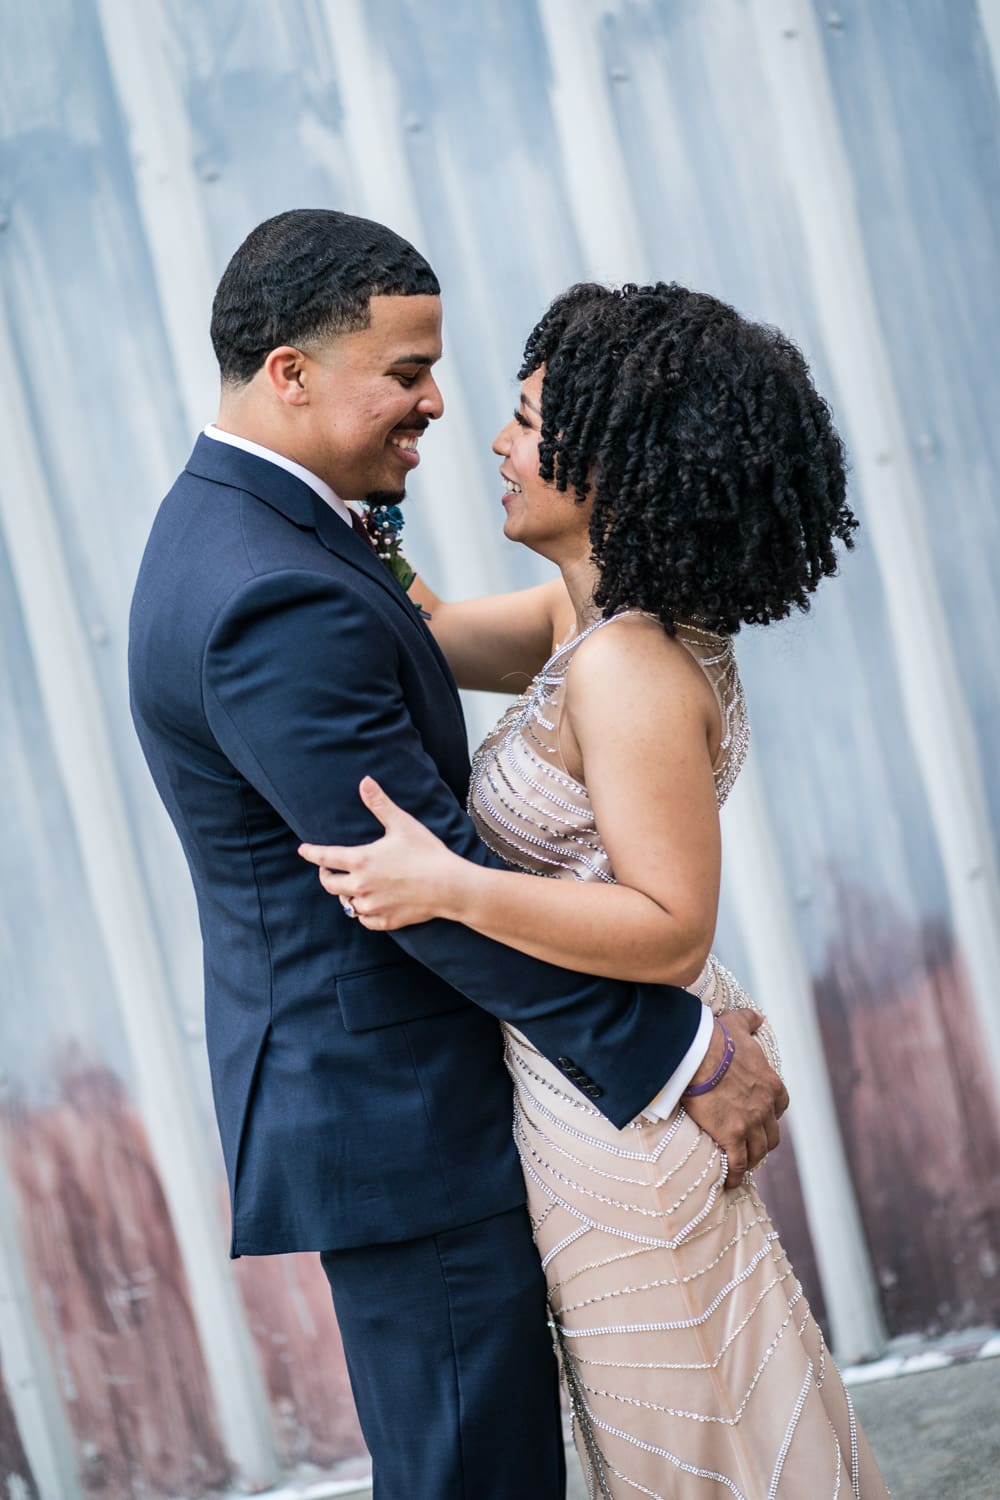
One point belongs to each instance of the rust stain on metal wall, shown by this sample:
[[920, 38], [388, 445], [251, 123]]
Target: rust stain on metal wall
[[922, 1131], [16, 1478], [111, 1292], [920, 1121], [290, 1313]]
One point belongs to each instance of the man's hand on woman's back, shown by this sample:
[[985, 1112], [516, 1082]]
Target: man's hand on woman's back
[[743, 1111]]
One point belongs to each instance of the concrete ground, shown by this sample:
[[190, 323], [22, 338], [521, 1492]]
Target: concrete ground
[[936, 1435]]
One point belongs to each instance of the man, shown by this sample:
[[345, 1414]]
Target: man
[[361, 1096]]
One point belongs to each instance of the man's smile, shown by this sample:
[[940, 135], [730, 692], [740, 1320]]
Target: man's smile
[[405, 444]]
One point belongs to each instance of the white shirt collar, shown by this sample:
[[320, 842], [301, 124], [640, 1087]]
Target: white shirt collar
[[317, 485]]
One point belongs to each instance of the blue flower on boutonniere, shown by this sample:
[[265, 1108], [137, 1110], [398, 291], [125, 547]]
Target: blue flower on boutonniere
[[384, 525]]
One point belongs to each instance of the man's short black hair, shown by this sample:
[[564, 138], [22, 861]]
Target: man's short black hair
[[304, 276]]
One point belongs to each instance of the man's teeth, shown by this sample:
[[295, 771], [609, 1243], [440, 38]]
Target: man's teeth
[[408, 444], [510, 488]]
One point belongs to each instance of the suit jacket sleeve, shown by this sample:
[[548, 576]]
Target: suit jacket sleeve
[[301, 682]]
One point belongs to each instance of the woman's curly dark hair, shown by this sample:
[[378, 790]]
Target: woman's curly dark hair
[[717, 475]]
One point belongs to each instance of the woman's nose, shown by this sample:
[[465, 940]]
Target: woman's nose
[[501, 443]]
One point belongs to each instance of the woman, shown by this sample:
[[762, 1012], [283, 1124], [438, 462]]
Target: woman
[[677, 464]]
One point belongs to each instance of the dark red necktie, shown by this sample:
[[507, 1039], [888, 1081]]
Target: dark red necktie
[[358, 527]]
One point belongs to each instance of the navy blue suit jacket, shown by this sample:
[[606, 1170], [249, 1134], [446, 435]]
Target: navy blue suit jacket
[[358, 1079]]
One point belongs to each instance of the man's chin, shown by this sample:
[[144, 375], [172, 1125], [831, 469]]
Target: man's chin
[[385, 497]]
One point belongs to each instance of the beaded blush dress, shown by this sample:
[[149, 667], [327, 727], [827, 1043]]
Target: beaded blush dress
[[691, 1360]]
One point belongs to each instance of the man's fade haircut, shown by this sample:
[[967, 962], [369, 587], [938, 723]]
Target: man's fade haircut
[[303, 277]]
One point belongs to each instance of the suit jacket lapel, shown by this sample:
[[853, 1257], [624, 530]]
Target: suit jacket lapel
[[284, 492], [342, 541]]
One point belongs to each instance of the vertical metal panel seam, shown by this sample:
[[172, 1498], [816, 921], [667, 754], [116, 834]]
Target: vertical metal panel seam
[[937, 716], [596, 179], [80, 739], [784, 990], [372, 136], [989, 16], [28, 1368], [137, 42]]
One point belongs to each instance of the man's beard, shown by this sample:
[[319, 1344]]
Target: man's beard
[[385, 497]]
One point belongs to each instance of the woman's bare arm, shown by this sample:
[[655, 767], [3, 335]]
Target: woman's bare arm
[[498, 642], [642, 718], [639, 714]]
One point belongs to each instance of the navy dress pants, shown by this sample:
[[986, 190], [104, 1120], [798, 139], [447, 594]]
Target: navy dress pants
[[451, 1363]]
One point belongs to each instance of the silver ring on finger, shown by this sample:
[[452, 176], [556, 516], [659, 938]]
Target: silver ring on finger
[[348, 909]]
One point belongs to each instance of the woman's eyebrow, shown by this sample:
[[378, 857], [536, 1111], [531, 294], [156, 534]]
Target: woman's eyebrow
[[530, 405]]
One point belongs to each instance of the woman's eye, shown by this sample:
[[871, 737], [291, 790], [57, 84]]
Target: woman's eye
[[521, 420]]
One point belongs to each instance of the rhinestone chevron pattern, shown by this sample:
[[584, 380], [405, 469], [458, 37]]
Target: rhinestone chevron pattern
[[692, 1363]]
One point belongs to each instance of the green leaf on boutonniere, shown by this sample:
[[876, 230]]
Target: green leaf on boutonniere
[[400, 569]]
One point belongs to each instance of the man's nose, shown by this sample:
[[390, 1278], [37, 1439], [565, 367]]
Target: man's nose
[[431, 403]]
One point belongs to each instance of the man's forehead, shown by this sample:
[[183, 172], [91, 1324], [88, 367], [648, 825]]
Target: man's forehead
[[411, 323]]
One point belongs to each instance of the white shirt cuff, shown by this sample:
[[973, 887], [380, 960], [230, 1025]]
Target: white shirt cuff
[[668, 1098]]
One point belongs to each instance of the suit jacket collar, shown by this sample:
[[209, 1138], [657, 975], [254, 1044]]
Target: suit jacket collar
[[292, 497], [221, 463]]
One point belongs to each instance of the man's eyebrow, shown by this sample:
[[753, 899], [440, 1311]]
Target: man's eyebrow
[[415, 359], [530, 405]]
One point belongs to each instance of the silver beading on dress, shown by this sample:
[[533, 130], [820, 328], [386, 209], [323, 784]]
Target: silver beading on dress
[[716, 656], [691, 1360], [719, 988]]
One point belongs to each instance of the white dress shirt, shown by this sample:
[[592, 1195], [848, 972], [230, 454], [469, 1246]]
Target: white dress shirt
[[667, 1099], [317, 485]]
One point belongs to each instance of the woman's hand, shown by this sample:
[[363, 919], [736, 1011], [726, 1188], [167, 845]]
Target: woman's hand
[[407, 876]]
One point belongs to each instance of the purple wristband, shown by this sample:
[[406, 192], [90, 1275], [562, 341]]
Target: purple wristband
[[729, 1052]]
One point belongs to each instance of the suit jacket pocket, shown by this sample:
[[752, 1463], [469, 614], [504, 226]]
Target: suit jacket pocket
[[393, 993]]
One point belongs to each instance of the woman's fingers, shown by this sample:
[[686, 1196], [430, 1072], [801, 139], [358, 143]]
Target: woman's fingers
[[335, 884], [331, 856], [380, 803]]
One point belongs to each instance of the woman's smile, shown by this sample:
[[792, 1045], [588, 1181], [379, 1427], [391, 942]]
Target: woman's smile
[[511, 487]]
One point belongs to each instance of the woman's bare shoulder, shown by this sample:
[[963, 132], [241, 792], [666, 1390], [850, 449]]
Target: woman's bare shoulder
[[633, 671], [632, 644]]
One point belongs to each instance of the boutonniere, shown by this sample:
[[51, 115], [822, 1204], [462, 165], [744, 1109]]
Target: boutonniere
[[384, 526]]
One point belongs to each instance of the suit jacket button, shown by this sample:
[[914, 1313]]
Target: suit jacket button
[[594, 1090], [565, 1063]]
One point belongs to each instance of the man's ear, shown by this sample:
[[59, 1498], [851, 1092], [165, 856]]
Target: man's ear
[[284, 369]]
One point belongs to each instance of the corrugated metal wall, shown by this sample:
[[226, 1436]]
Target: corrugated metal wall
[[833, 170]]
